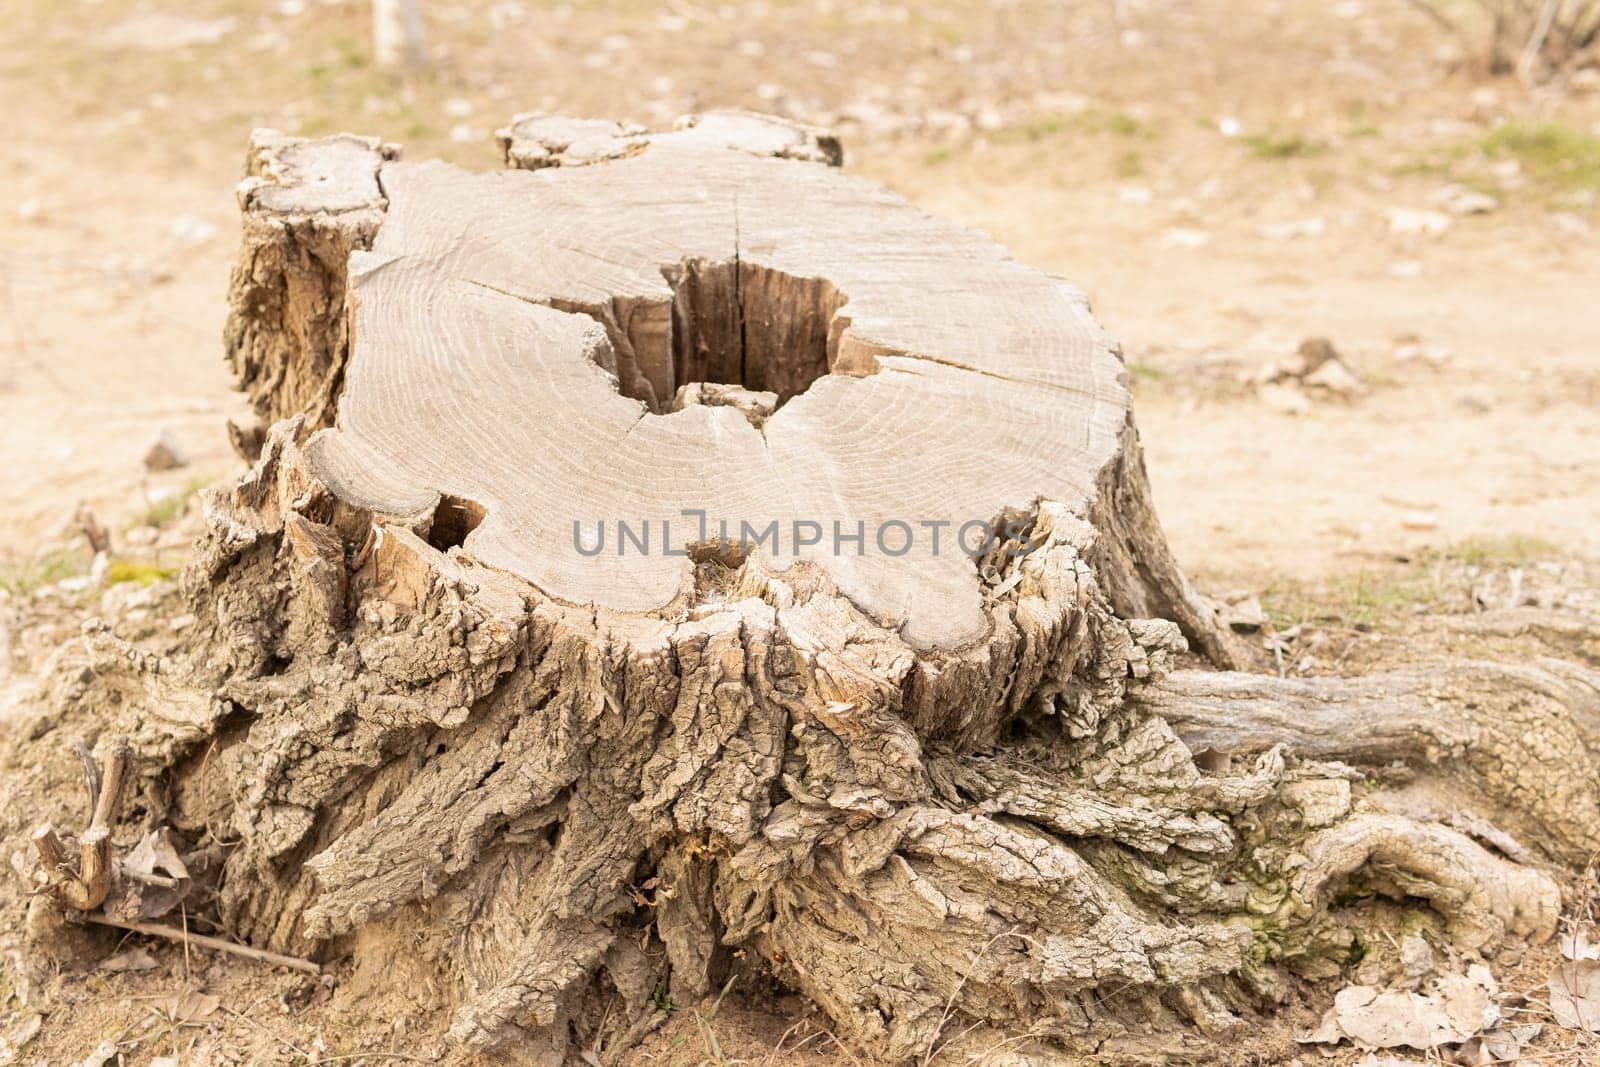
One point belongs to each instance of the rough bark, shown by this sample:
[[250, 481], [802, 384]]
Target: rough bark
[[306, 206], [1001, 807]]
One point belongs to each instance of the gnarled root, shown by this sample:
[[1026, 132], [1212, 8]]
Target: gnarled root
[[539, 808]]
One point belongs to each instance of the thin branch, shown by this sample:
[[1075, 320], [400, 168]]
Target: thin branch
[[217, 944]]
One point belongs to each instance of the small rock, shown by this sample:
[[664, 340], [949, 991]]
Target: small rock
[[1419, 520], [1243, 614], [1181, 237], [29, 209], [1406, 268], [1412, 222], [1229, 126], [192, 232], [165, 454], [1410, 350], [1315, 226], [1336, 378], [1459, 200], [1284, 399]]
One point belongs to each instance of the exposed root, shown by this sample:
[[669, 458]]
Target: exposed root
[[421, 761], [86, 887]]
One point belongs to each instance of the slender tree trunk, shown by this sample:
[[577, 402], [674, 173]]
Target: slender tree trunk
[[398, 39]]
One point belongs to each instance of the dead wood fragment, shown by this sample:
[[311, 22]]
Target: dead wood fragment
[[216, 944], [84, 886]]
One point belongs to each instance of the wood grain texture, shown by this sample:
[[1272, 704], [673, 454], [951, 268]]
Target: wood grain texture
[[488, 348]]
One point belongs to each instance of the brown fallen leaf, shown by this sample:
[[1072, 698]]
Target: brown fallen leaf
[[1575, 994], [153, 880], [1495, 1047], [1456, 1008], [192, 1008]]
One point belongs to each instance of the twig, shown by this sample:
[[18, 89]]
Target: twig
[[1541, 31], [1439, 18], [172, 933]]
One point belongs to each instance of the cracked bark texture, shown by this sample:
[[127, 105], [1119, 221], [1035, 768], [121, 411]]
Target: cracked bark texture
[[539, 805], [306, 206]]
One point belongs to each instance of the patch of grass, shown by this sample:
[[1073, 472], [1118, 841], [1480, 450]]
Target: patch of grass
[[169, 507], [1277, 144], [1424, 167], [1378, 597], [934, 156], [1094, 121], [127, 570], [24, 576], [1116, 122], [1146, 372], [1130, 165], [1551, 153], [1508, 550], [1365, 130], [1364, 600]]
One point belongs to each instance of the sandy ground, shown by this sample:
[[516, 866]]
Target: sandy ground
[[1095, 153], [1226, 179]]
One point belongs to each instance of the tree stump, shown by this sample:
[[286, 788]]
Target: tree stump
[[506, 685]]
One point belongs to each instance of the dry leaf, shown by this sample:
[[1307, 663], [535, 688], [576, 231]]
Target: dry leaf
[[14, 1042], [153, 880], [1497, 1046], [103, 1053], [1577, 946], [134, 959], [192, 1008], [1575, 994], [1459, 1007]]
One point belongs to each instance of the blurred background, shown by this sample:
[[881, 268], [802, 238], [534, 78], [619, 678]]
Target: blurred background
[[1410, 187]]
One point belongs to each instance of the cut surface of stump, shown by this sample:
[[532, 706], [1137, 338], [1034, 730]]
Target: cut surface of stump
[[519, 338], [444, 729]]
